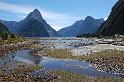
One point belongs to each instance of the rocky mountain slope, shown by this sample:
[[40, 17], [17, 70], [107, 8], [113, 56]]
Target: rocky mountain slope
[[32, 26], [89, 25], [3, 28], [115, 22]]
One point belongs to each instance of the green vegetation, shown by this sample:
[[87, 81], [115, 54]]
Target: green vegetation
[[96, 35], [3, 28], [106, 54], [29, 69], [8, 38], [22, 74], [65, 76], [109, 61], [66, 54], [60, 53], [117, 56]]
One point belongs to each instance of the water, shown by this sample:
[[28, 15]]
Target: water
[[81, 67], [65, 43]]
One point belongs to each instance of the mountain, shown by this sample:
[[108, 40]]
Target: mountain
[[32, 26], [89, 25], [4, 32], [3, 28], [71, 31], [10, 25], [35, 22], [115, 22]]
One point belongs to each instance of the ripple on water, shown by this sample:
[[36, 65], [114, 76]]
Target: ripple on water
[[81, 67]]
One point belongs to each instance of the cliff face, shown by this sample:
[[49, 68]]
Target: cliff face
[[35, 26], [32, 26], [3, 28], [115, 22], [90, 25]]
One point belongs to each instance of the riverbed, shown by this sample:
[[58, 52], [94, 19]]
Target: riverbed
[[49, 63]]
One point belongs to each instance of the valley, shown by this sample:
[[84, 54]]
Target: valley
[[80, 42], [51, 57]]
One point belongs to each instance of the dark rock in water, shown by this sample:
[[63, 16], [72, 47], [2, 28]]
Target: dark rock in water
[[115, 22]]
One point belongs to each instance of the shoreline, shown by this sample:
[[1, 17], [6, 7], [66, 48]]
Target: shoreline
[[111, 64], [7, 48], [38, 51]]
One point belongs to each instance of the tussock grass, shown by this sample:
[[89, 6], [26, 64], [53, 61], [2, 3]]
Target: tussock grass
[[29, 69], [66, 76], [66, 54], [59, 53]]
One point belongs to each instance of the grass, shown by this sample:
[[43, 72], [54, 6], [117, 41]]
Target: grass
[[59, 53], [9, 41], [29, 69], [106, 54], [66, 76], [66, 54], [21, 74], [109, 61]]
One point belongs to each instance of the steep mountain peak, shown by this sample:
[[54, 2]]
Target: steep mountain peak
[[34, 26], [36, 11], [89, 18], [35, 14]]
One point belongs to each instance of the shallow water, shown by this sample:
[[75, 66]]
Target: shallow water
[[65, 43], [81, 67]]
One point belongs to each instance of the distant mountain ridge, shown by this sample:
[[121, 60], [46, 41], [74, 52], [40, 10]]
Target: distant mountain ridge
[[35, 26], [32, 26], [89, 25], [71, 31]]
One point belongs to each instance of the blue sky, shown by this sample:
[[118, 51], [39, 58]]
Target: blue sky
[[58, 13]]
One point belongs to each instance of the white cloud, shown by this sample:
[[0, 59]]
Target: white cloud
[[15, 8], [56, 20], [57, 27]]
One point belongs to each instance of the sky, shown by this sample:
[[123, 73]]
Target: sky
[[57, 13]]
